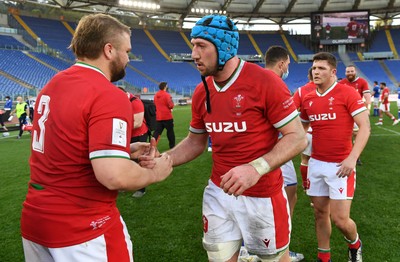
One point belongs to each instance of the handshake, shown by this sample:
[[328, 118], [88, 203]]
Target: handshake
[[148, 157]]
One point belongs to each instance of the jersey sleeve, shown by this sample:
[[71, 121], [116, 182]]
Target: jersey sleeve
[[354, 102], [296, 98], [303, 116], [279, 103], [137, 106], [110, 126], [169, 101], [198, 108], [365, 88]]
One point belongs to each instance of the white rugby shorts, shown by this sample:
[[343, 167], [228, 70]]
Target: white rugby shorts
[[325, 182], [262, 223], [308, 149], [385, 107], [113, 246], [376, 101], [289, 174]]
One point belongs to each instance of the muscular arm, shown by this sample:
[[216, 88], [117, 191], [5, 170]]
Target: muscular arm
[[124, 174], [385, 97], [240, 178], [138, 119], [367, 97], [188, 149], [293, 142], [348, 165]]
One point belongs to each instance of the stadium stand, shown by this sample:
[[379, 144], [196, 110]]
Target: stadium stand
[[170, 41], [9, 87], [154, 66], [265, 40], [53, 33], [52, 61], [9, 42], [373, 70], [25, 68], [395, 33], [245, 45], [380, 42], [298, 47], [393, 66]]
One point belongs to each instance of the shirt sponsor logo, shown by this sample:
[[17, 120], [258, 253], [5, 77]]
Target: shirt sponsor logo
[[226, 127], [323, 117]]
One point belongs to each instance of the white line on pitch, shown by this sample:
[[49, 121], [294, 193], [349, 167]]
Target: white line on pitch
[[390, 130]]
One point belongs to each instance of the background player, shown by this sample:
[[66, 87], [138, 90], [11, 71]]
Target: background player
[[352, 28], [376, 91], [385, 106], [331, 111], [398, 101], [298, 97], [361, 86], [140, 131], [328, 28], [164, 106], [277, 60]]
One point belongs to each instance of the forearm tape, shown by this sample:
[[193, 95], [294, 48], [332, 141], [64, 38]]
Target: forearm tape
[[261, 165]]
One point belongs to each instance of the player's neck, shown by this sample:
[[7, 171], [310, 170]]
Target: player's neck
[[322, 88], [229, 70]]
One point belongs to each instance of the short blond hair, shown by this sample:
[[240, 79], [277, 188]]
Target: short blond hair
[[93, 32]]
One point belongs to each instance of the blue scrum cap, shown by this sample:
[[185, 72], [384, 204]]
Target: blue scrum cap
[[220, 31]]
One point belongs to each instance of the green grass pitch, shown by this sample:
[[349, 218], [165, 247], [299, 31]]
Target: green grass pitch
[[166, 224]]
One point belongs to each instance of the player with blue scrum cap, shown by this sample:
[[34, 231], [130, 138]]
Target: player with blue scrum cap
[[242, 107]]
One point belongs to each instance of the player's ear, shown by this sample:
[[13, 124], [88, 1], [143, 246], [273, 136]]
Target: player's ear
[[107, 50]]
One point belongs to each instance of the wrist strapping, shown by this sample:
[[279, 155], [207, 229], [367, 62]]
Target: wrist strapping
[[261, 165]]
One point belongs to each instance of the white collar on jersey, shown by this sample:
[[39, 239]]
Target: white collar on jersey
[[232, 80], [85, 65], [327, 91]]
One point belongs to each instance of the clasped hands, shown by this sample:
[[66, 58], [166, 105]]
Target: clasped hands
[[146, 153]]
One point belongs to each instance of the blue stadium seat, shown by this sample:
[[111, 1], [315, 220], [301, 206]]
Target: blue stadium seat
[[182, 77], [9, 42], [53, 33], [380, 42]]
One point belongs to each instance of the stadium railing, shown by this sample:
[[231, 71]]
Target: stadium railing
[[378, 55], [302, 58]]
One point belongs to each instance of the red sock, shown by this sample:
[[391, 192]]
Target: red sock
[[356, 245], [324, 255], [304, 172]]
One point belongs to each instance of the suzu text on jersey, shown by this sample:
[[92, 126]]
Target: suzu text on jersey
[[226, 127], [323, 116]]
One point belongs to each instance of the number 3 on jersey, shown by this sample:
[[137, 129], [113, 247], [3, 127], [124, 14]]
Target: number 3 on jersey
[[43, 110]]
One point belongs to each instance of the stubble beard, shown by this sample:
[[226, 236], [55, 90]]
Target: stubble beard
[[117, 73]]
